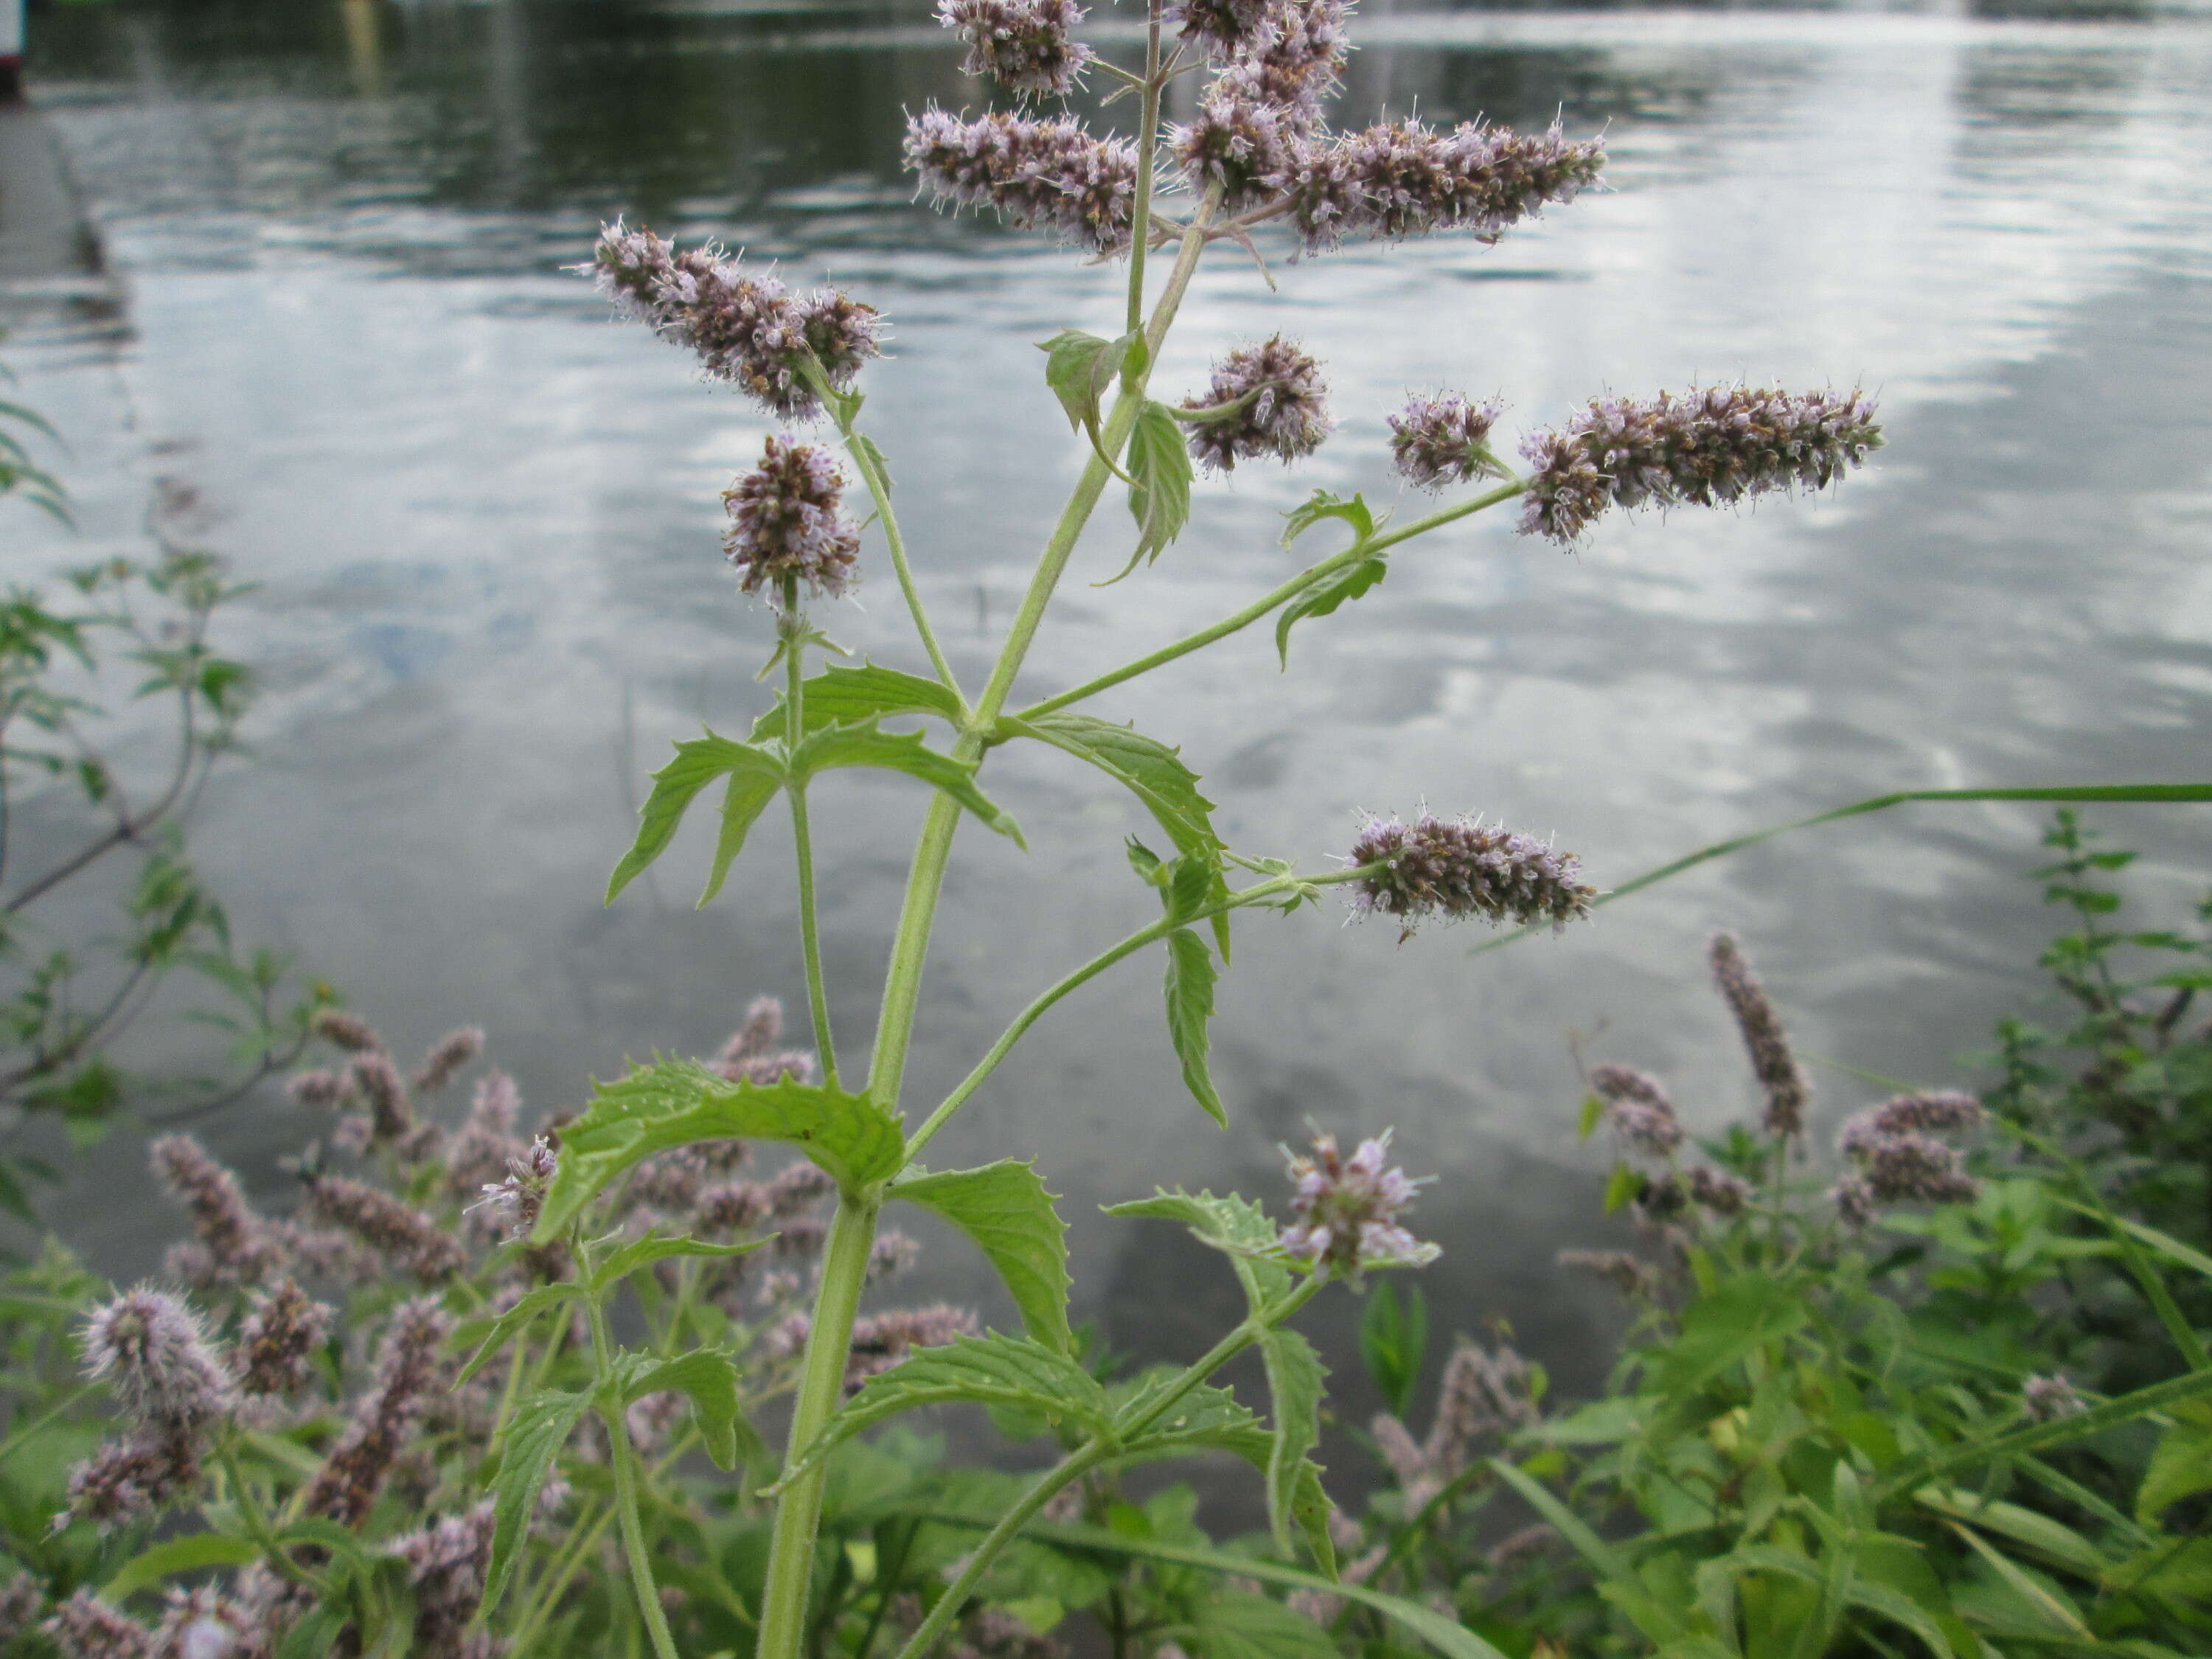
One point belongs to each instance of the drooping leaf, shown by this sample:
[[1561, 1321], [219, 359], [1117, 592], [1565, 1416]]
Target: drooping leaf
[[710, 1380], [193, 1553], [1294, 1388], [540, 1427], [676, 1102], [504, 1328], [644, 1252], [1080, 368], [1156, 774], [1327, 504], [698, 762], [844, 697], [1326, 596], [863, 745], [1007, 1372], [1190, 979], [1005, 1209], [1159, 500]]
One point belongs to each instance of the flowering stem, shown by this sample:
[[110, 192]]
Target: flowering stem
[[1147, 142], [793, 626], [1270, 600], [868, 460], [623, 1456], [1096, 1450], [1259, 893]]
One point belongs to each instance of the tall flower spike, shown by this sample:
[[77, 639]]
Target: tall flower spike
[[1767, 1044], [344, 1489], [785, 521], [1347, 1209], [1710, 446], [747, 331], [402, 1235], [1036, 174], [277, 1341], [1638, 1109], [1444, 440], [445, 1058], [1023, 44], [1458, 869], [148, 1347], [236, 1246], [1273, 402], [1403, 179]]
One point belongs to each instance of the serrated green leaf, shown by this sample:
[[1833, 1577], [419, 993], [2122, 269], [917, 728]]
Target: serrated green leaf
[[1237, 1625], [540, 1427], [698, 762], [863, 745], [1081, 368], [676, 1102], [710, 1380], [1006, 1210], [1190, 979], [1747, 1311], [644, 1252], [1295, 1376], [1156, 774], [1233, 1225], [1003, 1371], [844, 697], [1159, 499], [194, 1553], [1326, 596], [510, 1323], [1327, 504]]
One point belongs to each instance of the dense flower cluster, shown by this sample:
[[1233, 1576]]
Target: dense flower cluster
[[277, 1341], [1348, 1209], [1403, 179], [1717, 445], [749, 330], [1907, 1166], [1637, 1108], [785, 521], [2046, 1398], [1267, 399], [1945, 1112], [517, 1198], [1036, 174], [1779, 1075], [1457, 869], [1023, 44], [1238, 139], [1436, 441]]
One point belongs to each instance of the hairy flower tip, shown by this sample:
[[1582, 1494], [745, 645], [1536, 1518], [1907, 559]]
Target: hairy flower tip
[[345, 1488], [1347, 1209], [1913, 1168], [1036, 174], [277, 1341], [1787, 1088], [148, 1347], [1298, 66], [1722, 1194], [235, 1245], [1711, 446], [785, 521], [1638, 1109], [1023, 44], [445, 1058], [842, 333], [881, 1340], [892, 1253], [1458, 869], [1227, 28], [1445, 440], [2046, 1398], [205, 1624], [89, 1626], [796, 1187], [1267, 399], [1403, 179], [325, 1089], [1629, 1274], [348, 1031], [1482, 1391], [519, 1199], [447, 1562], [1946, 1112], [390, 1113], [129, 1480], [1238, 139], [405, 1237]]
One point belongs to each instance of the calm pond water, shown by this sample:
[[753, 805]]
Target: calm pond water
[[484, 522]]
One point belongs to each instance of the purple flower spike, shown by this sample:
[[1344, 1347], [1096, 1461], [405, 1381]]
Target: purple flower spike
[[1238, 139], [1049, 175], [1282, 407], [1436, 441], [1458, 869], [785, 521], [1767, 1045], [148, 1347], [1348, 1209], [1023, 44], [1403, 179], [1638, 1109]]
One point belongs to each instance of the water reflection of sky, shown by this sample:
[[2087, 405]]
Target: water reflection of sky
[[484, 522]]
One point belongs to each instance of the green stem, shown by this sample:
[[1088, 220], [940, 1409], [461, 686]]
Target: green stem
[[623, 1456], [256, 1521], [1270, 600], [548, 1595], [793, 628], [865, 458], [1148, 126]]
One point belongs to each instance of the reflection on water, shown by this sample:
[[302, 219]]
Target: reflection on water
[[484, 521]]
